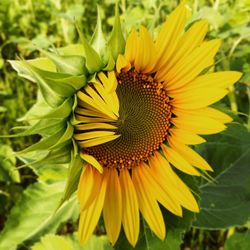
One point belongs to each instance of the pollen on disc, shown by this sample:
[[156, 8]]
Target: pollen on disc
[[144, 120]]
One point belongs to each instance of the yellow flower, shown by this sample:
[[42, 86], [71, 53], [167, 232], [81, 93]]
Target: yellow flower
[[122, 115], [136, 120]]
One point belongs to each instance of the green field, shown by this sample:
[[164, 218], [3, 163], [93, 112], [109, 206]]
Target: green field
[[30, 193]]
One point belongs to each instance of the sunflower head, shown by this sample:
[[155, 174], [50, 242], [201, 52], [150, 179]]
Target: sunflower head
[[123, 114]]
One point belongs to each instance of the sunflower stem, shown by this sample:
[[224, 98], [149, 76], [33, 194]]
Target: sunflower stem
[[231, 94]]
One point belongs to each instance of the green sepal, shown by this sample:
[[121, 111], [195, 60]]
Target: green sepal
[[62, 111], [59, 155], [42, 158], [73, 65], [43, 63], [30, 72], [54, 140], [45, 143], [52, 242], [75, 169], [93, 60], [68, 134], [45, 127], [111, 62], [98, 41], [73, 119], [40, 108], [63, 84], [116, 42]]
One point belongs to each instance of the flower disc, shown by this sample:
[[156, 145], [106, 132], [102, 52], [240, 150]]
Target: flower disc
[[144, 119]]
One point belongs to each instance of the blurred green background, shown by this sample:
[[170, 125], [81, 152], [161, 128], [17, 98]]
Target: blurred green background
[[26, 194]]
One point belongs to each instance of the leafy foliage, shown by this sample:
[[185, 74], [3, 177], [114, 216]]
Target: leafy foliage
[[35, 214], [30, 196], [239, 240], [225, 201]]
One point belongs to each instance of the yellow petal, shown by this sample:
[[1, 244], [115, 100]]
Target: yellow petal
[[198, 98], [170, 35], [163, 193], [130, 207], [84, 119], [93, 135], [145, 57], [190, 155], [185, 137], [104, 79], [96, 103], [112, 210], [107, 90], [199, 124], [188, 42], [186, 69], [178, 161], [208, 112], [148, 204], [99, 101], [92, 161], [90, 216], [97, 141], [113, 81], [90, 126], [122, 63], [88, 186], [217, 115], [222, 80], [132, 45], [107, 97], [90, 112], [86, 106], [166, 177]]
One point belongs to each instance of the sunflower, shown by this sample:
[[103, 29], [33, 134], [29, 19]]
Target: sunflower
[[137, 106]]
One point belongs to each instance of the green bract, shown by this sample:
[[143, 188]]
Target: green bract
[[59, 75]]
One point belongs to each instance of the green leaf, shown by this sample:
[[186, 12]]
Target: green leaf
[[8, 171], [225, 203], [239, 241], [67, 136], [45, 143], [43, 63], [45, 127], [75, 170], [111, 62], [61, 83], [58, 137], [72, 50], [40, 108], [57, 155], [116, 42], [62, 111], [34, 215], [70, 64], [151, 242], [98, 41], [50, 172], [47, 115], [93, 60], [31, 73], [52, 242], [94, 243]]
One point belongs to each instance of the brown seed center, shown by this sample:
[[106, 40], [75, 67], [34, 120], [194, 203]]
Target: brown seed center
[[144, 119]]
